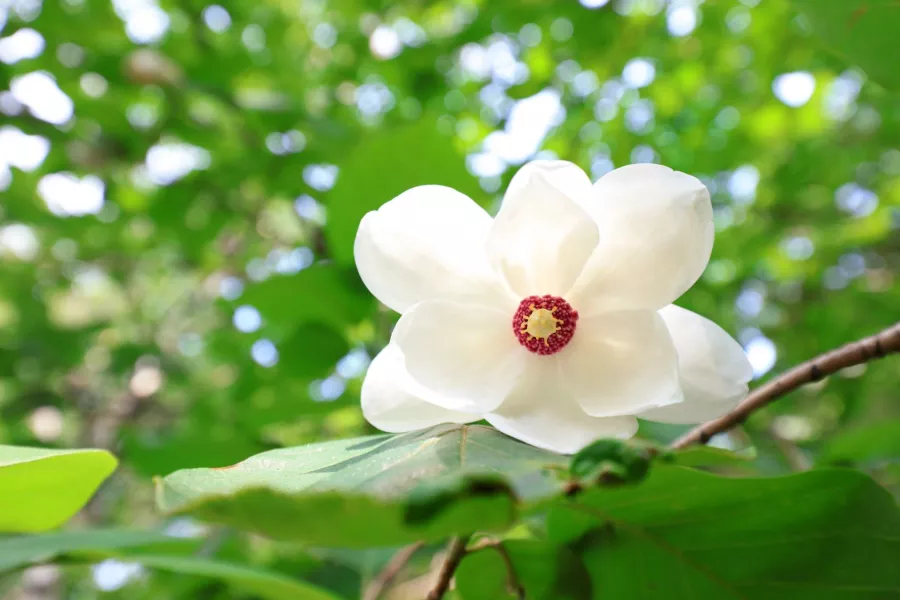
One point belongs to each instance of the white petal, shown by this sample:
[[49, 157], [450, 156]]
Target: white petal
[[463, 356], [713, 368], [656, 235], [542, 237], [621, 364], [387, 405], [541, 412], [428, 242]]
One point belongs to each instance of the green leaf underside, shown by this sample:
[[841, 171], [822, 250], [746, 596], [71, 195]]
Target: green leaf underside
[[828, 534], [377, 490], [863, 32], [40, 489]]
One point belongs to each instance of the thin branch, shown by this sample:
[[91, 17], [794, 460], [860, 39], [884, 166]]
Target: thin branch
[[512, 580], [855, 353], [793, 456], [384, 579], [455, 554]]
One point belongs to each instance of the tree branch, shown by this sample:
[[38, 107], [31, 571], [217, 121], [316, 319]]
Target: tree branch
[[390, 571], [855, 353], [455, 554]]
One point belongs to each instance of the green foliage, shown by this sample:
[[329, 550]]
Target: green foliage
[[371, 176], [538, 570], [140, 547], [238, 150], [41, 489], [20, 551], [864, 445], [695, 534], [707, 456], [259, 583], [612, 460], [322, 294], [862, 32], [381, 490]]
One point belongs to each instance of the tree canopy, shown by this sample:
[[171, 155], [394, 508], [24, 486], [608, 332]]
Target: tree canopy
[[180, 187]]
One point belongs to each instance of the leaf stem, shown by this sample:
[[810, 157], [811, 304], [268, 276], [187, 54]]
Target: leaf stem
[[384, 579], [455, 554], [855, 353]]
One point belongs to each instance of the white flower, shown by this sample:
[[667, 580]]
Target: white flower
[[552, 321]]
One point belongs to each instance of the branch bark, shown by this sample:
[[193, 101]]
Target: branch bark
[[455, 554], [855, 353], [391, 570]]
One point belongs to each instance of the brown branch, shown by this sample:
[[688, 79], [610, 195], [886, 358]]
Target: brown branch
[[384, 579], [455, 554], [854, 353], [512, 580]]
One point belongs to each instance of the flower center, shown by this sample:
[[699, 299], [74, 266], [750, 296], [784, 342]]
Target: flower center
[[544, 324]]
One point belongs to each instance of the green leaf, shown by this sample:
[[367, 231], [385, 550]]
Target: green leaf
[[312, 350], [483, 575], [617, 459], [21, 551], [265, 584], [41, 489], [323, 293], [863, 32], [377, 490], [879, 442], [699, 455], [543, 571], [383, 166], [820, 534]]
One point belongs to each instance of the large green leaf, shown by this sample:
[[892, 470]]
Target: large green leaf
[[377, 490], [863, 32], [541, 570], [41, 489], [829, 534], [385, 165]]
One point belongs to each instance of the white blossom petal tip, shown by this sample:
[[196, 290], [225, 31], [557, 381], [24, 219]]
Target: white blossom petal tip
[[656, 236], [712, 367]]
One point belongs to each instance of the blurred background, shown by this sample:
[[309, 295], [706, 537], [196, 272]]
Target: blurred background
[[180, 184]]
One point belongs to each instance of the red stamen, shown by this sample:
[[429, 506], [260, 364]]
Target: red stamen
[[564, 318]]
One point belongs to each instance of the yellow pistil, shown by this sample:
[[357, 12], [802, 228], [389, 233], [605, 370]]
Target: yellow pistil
[[541, 323]]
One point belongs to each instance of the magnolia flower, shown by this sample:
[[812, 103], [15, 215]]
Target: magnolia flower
[[553, 321]]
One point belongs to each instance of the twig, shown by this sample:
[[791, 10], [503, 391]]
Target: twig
[[512, 580], [792, 455], [455, 554], [854, 353], [390, 571], [214, 542]]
